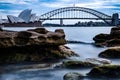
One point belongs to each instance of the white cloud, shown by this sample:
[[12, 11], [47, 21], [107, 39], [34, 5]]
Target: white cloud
[[95, 4], [55, 5], [8, 1], [9, 12], [107, 0], [66, 0], [19, 1], [14, 1]]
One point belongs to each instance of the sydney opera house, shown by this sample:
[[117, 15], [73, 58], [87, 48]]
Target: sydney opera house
[[24, 19]]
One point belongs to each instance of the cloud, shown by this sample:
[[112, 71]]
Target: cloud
[[66, 1], [95, 4], [8, 1], [57, 5], [4, 13], [13, 1], [18, 1]]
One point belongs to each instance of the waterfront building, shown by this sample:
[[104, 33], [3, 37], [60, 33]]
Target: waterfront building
[[25, 19], [25, 16]]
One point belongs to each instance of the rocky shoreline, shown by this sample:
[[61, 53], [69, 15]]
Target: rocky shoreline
[[109, 40], [112, 41], [40, 45]]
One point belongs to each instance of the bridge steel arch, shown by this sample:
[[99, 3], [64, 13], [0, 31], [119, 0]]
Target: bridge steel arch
[[106, 18]]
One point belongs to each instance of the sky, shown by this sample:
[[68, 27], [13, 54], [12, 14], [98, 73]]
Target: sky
[[14, 7]]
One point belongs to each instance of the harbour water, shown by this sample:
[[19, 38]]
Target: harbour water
[[83, 34]]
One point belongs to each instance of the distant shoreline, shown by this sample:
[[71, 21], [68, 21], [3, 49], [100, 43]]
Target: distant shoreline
[[78, 26]]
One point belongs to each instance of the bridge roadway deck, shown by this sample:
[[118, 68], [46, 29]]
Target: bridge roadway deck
[[74, 18]]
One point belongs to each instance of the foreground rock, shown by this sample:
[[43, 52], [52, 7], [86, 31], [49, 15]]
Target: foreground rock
[[78, 64], [73, 76], [99, 61], [111, 40], [89, 62], [33, 45], [100, 39], [105, 71], [113, 52]]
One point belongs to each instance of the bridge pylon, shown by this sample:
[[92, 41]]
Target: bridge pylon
[[115, 19], [61, 22]]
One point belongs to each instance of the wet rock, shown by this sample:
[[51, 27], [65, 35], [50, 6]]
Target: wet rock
[[99, 61], [115, 33], [24, 34], [88, 62], [100, 39], [110, 40], [113, 42], [59, 31], [56, 38], [114, 29], [105, 71], [22, 38], [68, 51], [6, 39], [113, 52], [73, 76], [78, 64], [39, 30], [33, 45], [32, 54]]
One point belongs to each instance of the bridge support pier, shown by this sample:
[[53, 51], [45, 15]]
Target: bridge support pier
[[115, 19], [61, 22]]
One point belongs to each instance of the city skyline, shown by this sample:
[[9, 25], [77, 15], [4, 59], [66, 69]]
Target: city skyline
[[14, 7]]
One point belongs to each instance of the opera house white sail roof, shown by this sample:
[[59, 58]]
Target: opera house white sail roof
[[13, 19], [25, 16]]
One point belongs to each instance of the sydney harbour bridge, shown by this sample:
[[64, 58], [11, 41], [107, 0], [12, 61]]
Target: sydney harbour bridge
[[80, 13]]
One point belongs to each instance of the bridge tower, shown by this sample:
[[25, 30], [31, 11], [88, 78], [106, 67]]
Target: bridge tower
[[61, 22], [115, 19]]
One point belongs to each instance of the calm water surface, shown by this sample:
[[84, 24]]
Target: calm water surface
[[84, 34]]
